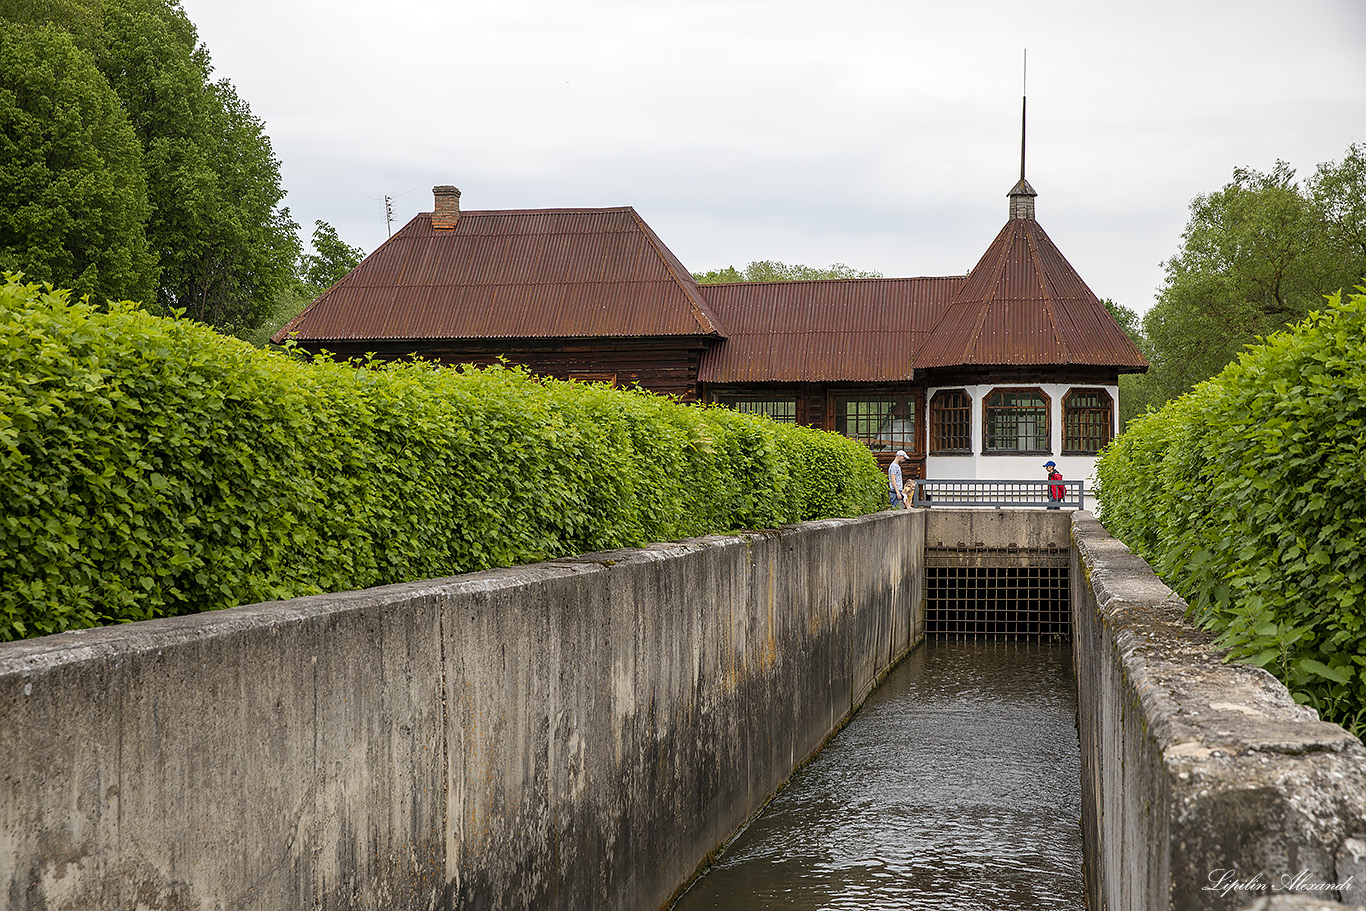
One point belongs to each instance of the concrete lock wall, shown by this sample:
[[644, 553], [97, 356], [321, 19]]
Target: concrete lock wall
[[998, 529], [575, 734], [1203, 784]]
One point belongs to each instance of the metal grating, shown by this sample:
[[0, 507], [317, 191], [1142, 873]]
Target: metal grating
[[978, 592]]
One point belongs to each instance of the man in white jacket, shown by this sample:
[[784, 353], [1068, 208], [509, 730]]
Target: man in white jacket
[[895, 497]]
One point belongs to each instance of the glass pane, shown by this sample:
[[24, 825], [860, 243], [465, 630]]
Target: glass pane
[[1087, 421], [882, 424], [1016, 422], [951, 416], [784, 410]]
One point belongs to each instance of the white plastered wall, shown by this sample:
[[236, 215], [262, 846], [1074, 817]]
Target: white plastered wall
[[1017, 467]]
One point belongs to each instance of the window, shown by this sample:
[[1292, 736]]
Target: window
[[780, 409], [1088, 421], [1016, 420], [579, 377], [951, 422], [882, 423]]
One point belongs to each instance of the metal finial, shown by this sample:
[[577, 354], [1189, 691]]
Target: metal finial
[[1024, 85]]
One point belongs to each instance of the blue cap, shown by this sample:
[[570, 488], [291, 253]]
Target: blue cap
[[1050, 465]]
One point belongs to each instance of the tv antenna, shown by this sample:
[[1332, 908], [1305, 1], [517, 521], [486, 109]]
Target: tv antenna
[[389, 208]]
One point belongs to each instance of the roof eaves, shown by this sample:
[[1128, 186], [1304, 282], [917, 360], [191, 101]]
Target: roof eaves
[[288, 328], [701, 312]]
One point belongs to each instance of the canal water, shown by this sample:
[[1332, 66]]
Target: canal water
[[956, 787]]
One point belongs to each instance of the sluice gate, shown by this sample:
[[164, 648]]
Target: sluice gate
[[997, 592]]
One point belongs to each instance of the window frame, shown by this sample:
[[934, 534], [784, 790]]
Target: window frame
[[1046, 408], [936, 435], [732, 400], [1068, 410], [908, 400], [580, 376]]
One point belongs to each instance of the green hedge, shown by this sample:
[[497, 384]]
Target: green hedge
[[1248, 496], [151, 467]]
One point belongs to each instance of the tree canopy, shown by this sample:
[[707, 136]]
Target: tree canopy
[[1256, 255], [73, 197], [315, 272], [222, 246], [330, 260], [765, 270]]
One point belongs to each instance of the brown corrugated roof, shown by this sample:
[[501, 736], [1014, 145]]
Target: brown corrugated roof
[[533, 273], [864, 330], [1024, 305]]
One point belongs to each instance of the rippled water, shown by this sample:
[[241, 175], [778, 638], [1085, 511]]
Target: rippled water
[[957, 786]]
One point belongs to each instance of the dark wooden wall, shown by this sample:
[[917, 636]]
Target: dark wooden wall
[[666, 366]]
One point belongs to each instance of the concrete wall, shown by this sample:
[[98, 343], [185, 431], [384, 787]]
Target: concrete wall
[[575, 734], [998, 529], [1191, 767]]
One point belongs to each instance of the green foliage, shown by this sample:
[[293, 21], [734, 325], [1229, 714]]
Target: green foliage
[[206, 181], [1248, 495], [330, 260], [1255, 256], [771, 271], [73, 200], [288, 303], [1135, 392], [152, 467], [225, 247]]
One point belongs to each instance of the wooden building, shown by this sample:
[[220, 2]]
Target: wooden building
[[974, 376]]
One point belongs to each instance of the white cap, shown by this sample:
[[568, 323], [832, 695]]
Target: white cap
[[902, 453]]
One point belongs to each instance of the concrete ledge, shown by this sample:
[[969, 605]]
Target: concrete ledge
[[574, 734], [1197, 771], [1021, 529]]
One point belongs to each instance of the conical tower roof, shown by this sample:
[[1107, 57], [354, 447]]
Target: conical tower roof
[[1024, 305]]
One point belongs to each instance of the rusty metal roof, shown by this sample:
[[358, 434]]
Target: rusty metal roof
[[864, 330], [1024, 304], [532, 273]]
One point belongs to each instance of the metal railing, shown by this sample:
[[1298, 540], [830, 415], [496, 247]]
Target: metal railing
[[998, 494]]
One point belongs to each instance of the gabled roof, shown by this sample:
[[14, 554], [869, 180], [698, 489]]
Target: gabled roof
[[1024, 305], [529, 273], [864, 330]]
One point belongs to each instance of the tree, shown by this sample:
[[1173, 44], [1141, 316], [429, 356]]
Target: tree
[[1135, 394], [330, 260], [1256, 256], [772, 271], [1127, 319], [1338, 194], [73, 200], [222, 246], [225, 247]]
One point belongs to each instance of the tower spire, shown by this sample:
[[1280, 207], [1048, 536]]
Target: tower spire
[[1024, 97], [1022, 194]]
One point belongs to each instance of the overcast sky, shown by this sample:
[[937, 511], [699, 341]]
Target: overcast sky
[[879, 134]]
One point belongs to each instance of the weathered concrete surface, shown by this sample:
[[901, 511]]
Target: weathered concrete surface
[[1193, 767], [1021, 529], [1298, 902], [575, 734]]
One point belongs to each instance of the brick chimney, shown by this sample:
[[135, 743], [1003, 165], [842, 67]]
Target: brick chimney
[[447, 210]]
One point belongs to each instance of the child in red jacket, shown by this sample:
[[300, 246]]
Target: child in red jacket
[[1055, 491]]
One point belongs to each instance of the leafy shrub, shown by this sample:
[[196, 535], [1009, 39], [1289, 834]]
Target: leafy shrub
[[1248, 496], [151, 467]]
